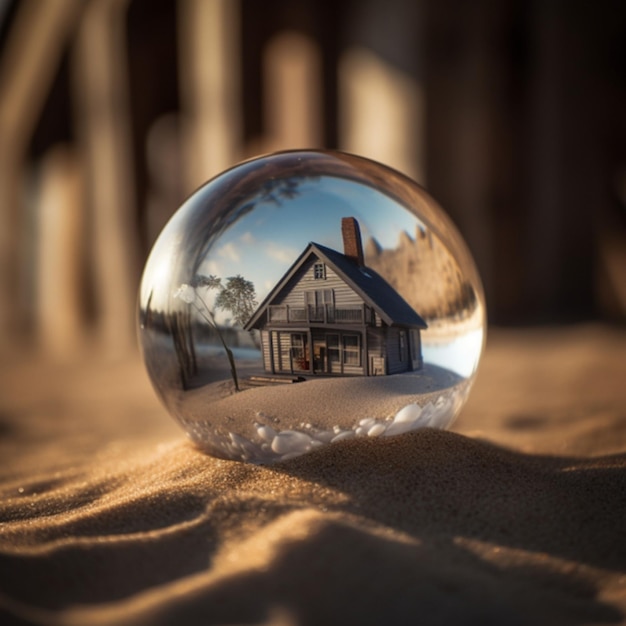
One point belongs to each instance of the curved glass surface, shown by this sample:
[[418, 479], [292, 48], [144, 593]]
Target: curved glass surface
[[306, 297]]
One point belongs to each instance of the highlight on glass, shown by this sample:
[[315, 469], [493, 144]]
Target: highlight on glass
[[308, 297]]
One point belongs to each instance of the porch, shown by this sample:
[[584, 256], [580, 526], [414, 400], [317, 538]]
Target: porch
[[315, 352], [324, 314]]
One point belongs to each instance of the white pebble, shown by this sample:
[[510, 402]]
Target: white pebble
[[290, 441], [376, 430], [230, 449], [267, 433], [437, 414], [346, 434], [237, 440], [428, 412], [324, 436], [398, 428], [409, 413], [366, 422], [290, 455], [360, 431]]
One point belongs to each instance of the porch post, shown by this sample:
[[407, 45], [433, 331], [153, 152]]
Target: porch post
[[270, 346], [364, 357]]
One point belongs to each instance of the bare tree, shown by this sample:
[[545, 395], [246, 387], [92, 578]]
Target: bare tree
[[237, 296]]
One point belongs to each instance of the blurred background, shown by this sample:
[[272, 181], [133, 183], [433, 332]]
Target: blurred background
[[512, 113]]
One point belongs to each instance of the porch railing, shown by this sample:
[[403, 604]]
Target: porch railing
[[326, 314]]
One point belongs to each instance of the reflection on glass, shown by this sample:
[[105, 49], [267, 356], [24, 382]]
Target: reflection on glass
[[303, 298]]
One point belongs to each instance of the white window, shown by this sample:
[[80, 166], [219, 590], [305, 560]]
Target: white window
[[319, 304], [319, 297], [319, 271], [298, 351], [332, 343], [352, 350], [402, 340]]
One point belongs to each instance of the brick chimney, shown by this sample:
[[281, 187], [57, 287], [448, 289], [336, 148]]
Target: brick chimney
[[352, 246]]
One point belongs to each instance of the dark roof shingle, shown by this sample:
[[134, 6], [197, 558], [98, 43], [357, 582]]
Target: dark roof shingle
[[370, 286], [373, 288]]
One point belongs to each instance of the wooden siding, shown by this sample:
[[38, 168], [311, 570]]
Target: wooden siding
[[284, 349], [292, 293], [379, 348], [265, 348], [416, 349], [275, 352], [395, 365], [376, 354], [283, 354]]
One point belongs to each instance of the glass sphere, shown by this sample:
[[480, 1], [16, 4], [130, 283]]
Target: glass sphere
[[307, 297]]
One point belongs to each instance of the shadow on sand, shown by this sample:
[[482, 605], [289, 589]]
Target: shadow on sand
[[430, 527]]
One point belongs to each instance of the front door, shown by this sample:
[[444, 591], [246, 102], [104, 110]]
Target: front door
[[299, 352], [320, 355], [326, 354], [334, 354], [337, 353]]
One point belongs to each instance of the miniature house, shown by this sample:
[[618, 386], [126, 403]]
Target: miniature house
[[330, 314]]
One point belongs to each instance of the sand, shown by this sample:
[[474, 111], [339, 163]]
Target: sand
[[279, 421], [515, 516]]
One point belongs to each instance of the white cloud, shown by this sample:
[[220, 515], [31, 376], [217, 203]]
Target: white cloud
[[283, 255], [213, 268], [247, 238], [229, 251]]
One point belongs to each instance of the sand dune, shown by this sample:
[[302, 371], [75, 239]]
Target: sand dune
[[109, 516]]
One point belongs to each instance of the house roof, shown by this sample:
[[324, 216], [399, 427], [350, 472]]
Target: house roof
[[370, 286]]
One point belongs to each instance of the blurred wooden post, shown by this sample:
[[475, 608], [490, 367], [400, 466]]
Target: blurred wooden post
[[381, 112], [468, 139], [292, 93], [29, 61], [60, 254], [210, 87], [564, 189], [381, 99], [104, 129]]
